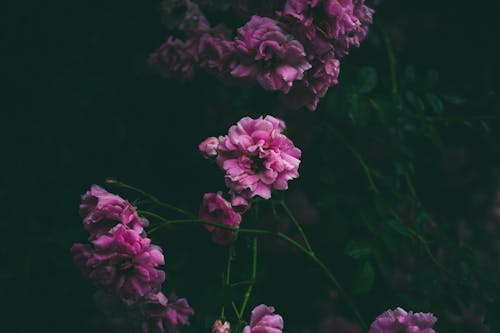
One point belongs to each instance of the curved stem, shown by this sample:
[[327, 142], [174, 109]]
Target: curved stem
[[254, 276], [149, 196], [366, 169], [297, 225], [282, 236]]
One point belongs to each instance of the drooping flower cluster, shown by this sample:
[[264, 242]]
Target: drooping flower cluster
[[256, 158], [121, 260], [400, 321], [293, 47]]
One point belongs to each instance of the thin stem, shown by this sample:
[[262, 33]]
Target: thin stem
[[392, 62], [284, 237], [297, 225], [151, 197], [361, 161], [254, 276], [227, 281]]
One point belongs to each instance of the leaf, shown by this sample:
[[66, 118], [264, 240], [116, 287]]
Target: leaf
[[359, 249], [409, 76], [431, 78], [453, 99], [365, 276], [367, 79], [415, 101], [400, 227], [435, 103]]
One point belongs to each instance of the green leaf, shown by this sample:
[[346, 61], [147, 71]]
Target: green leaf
[[365, 276], [359, 249], [409, 76], [399, 227], [367, 79], [453, 99], [435, 103], [431, 78], [415, 101]]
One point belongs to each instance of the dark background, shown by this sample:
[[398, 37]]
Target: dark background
[[81, 104]]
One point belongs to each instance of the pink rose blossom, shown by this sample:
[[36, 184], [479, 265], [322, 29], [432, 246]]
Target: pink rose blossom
[[343, 22], [219, 327], [176, 58], [102, 210], [316, 83], [264, 320], [269, 55], [257, 157], [216, 209], [240, 204], [208, 147], [400, 321], [122, 262], [216, 52], [158, 315]]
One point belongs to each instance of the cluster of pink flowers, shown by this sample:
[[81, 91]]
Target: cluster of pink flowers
[[256, 158], [121, 260], [295, 50], [263, 319], [400, 321]]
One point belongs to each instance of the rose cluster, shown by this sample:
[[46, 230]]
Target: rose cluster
[[121, 260], [292, 47], [256, 158], [400, 321]]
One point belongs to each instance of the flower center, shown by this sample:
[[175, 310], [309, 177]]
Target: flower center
[[257, 164]]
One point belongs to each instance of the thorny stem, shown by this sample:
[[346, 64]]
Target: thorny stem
[[310, 254], [151, 197]]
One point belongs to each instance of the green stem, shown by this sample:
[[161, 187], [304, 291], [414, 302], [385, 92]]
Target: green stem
[[254, 276], [151, 197], [297, 225], [360, 159], [392, 62], [227, 281], [284, 237]]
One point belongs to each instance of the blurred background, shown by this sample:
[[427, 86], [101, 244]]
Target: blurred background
[[81, 105]]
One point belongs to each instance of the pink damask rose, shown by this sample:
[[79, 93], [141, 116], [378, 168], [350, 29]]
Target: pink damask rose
[[216, 53], [264, 320], [208, 148], [316, 83], [122, 262], [102, 210], [269, 55], [215, 208], [220, 327], [400, 321], [343, 22], [176, 58], [158, 315], [257, 157]]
